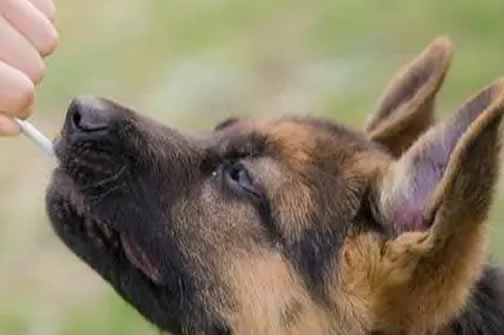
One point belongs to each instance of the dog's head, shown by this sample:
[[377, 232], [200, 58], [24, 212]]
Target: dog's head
[[291, 226]]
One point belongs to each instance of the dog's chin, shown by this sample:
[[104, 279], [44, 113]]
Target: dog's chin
[[115, 257]]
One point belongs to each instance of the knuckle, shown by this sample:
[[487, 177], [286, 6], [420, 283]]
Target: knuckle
[[50, 44], [38, 72], [50, 10], [24, 98]]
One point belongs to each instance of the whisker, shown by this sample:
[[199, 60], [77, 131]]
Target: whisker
[[95, 200], [106, 180]]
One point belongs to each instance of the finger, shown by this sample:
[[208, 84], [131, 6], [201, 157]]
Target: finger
[[19, 53], [8, 127], [32, 23], [47, 7], [17, 92]]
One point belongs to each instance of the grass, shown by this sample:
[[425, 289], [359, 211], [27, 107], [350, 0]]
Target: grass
[[190, 63]]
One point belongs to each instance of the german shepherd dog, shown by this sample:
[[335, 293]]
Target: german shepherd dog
[[297, 225]]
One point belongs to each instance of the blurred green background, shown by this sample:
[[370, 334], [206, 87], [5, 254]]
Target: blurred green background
[[191, 63]]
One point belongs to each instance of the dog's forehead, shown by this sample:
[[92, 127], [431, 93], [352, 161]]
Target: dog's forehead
[[297, 141]]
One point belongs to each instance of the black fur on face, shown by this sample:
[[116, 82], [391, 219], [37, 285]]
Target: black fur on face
[[159, 213], [111, 201]]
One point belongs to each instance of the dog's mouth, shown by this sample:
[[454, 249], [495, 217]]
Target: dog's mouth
[[77, 222], [140, 260], [102, 235]]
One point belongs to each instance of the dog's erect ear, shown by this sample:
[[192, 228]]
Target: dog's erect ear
[[449, 171], [406, 106], [435, 199]]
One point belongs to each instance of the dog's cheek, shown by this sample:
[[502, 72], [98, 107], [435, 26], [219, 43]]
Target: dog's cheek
[[269, 298]]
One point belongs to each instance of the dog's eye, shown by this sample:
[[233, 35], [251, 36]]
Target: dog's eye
[[239, 179], [240, 176]]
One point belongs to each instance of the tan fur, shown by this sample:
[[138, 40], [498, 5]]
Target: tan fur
[[392, 288], [296, 143], [266, 288], [415, 283], [292, 203], [425, 297]]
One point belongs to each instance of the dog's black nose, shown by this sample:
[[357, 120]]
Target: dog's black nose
[[89, 115]]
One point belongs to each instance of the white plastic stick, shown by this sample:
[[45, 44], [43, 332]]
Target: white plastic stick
[[36, 137]]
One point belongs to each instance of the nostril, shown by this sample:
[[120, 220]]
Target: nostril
[[89, 115], [76, 118], [91, 121]]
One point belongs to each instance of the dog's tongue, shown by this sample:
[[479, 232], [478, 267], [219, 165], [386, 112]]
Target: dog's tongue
[[140, 260]]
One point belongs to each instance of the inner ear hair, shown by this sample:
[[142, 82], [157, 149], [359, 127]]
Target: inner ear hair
[[405, 109]]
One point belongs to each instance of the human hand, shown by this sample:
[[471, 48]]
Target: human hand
[[27, 34]]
